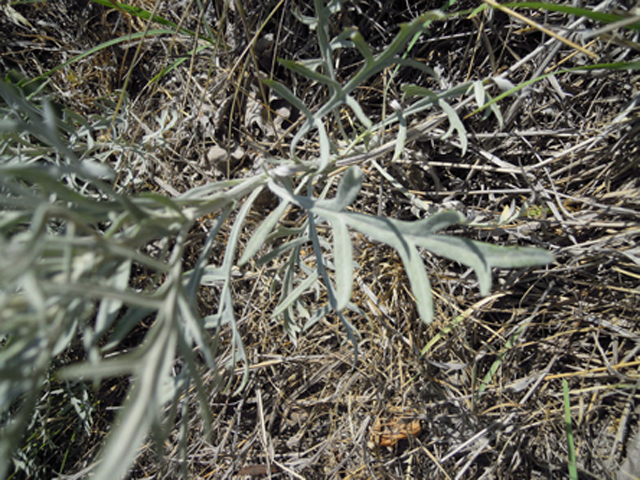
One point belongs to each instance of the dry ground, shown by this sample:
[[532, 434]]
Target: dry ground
[[480, 391]]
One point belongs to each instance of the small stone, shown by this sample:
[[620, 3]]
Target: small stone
[[238, 154], [216, 155]]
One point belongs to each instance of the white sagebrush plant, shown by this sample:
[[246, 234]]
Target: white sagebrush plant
[[65, 280], [404, 237]]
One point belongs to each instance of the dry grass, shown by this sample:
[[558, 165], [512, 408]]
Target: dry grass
[[484, 381]]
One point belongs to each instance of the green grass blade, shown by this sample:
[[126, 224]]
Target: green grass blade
[[599, 66], [578, 12], [169, 68], [573, 469], [102, 46], [143, 14], [495, 366]]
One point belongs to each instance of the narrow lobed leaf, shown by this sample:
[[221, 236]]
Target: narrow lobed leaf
[[259, 237], [343, 263]]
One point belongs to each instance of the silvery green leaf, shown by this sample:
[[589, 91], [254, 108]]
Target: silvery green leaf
[[386, 231], [194, 331], [342, 41], [214, 321], [428, 101], [96, 170], [121, 365], [334, 6], [496, 111], [238, 226], [351, 336], [282, 231], [460, 250], [503, 84], [142, 408], [316, 315], [193, 278], [284, 171], [300, 69], [124, 325], [313, 121], [212, 276], [11, 125], [343, 263], [49, 131], [478, 91], [357, 110], [282, 249], [68, 333], [389, 55], [311, 22], [420, 285], [295, 294], [482, 97], [409, 62], [325, 147], [403, 236], [322, 34], [259, 237], [208, 188], [418, 91], [312, 63], [108, 309], [514, 257], [302, 312], [225, 306], [288, 95], [291, 328], [358, 40], [434, 223], [348, 190], [456, 124], [402, 135], [305, 202]]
